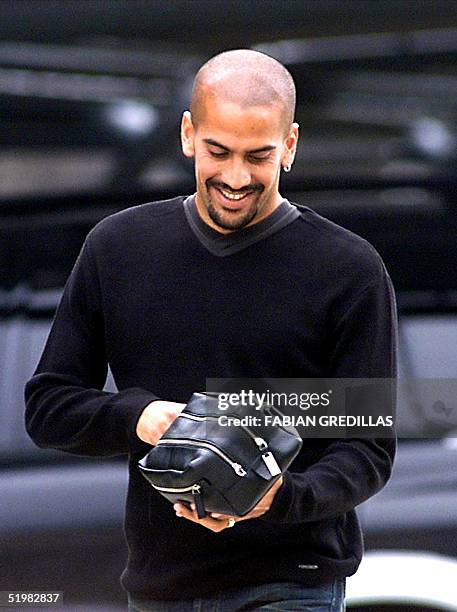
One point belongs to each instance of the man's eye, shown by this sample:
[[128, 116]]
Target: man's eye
[[218, 154], [257, 160]]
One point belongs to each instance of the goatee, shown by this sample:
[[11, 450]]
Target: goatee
[[227, 224]]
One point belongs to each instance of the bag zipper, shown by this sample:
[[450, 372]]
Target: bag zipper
[[195, 488], [237, 468], [260, 442], [196, 491], [268, 457]]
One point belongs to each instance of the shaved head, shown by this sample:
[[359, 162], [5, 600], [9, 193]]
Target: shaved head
[[247, 78], [240, 131]]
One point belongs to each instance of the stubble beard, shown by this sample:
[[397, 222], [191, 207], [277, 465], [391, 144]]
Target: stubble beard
[[222, 219], [231, 224]]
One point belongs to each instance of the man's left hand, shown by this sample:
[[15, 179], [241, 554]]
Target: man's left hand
[[219, 522]]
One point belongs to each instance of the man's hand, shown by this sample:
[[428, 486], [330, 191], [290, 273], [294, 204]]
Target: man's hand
[[155, 419], [218, 522]]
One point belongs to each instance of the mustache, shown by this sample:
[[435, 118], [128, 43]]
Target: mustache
[[225, 187]]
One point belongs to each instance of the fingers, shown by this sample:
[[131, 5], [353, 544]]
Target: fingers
[[209, 522], [255, 513], [217, 521], [155, 419]]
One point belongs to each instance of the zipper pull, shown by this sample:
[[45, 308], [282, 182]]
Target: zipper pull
[[271, 464], [198, 501], [239, 469], [261, 443]]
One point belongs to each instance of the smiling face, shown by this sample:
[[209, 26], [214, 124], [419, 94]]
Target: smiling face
[[238, 155]]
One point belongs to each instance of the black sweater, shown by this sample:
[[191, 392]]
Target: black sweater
[[168, 302]]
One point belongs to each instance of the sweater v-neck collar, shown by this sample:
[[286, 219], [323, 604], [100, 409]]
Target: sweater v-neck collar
[[226, 244]]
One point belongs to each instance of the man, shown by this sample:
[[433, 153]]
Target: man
[[233, 281]]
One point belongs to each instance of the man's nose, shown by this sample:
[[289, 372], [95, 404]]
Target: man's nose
[[236, 174]]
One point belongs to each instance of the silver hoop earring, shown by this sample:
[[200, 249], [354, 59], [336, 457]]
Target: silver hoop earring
[[287, 168]]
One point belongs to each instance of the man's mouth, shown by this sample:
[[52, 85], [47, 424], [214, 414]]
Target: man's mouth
[[230, 199], [234, 196]]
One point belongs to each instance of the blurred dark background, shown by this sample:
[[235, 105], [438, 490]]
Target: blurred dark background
[[91, 95]]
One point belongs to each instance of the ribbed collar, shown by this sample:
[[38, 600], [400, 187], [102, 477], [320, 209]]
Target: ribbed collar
[[225, 244]]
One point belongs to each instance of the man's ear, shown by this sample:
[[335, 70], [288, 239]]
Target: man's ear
[[290, 145], [187, 134]]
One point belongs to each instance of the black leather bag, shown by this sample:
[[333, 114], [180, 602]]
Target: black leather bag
[[219, 467]]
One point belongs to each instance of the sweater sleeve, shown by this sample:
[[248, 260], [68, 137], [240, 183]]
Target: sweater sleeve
[[348, 471], [66, 408]]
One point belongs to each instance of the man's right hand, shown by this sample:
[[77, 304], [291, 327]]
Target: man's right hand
[[155, 419]]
